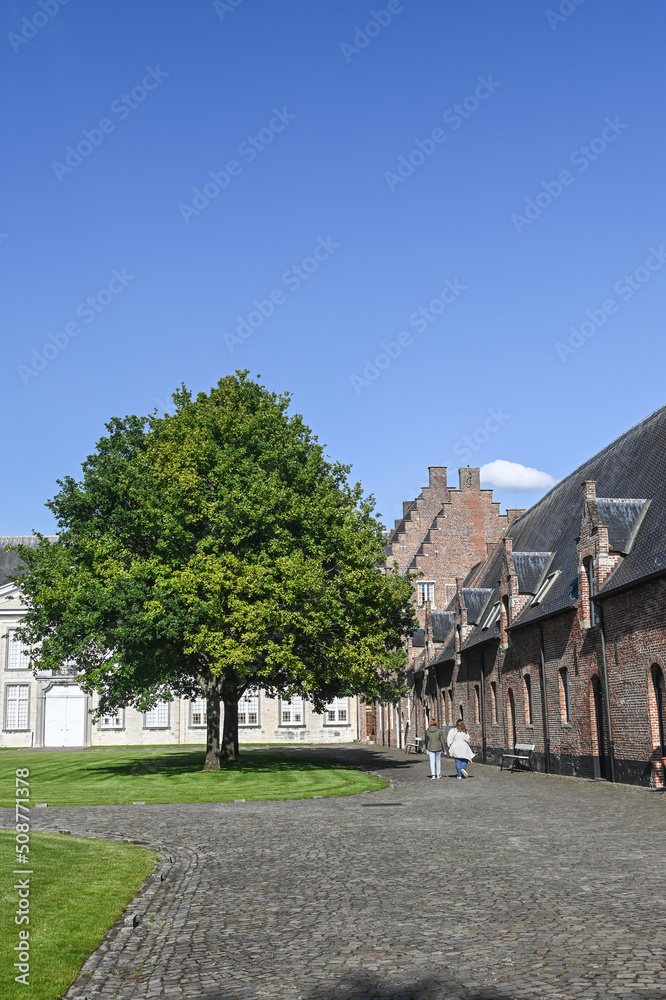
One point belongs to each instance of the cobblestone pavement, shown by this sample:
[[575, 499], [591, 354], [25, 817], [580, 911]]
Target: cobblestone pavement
[[504, 886]]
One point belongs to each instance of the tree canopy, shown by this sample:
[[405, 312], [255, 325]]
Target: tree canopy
[[212, 550]]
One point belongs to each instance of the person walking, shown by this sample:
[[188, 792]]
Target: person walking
[[434, 744], [459, 748]]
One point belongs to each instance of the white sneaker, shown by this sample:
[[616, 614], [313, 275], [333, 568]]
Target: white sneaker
[[464, 773], [458, 777], [432, 777], [438, 776]]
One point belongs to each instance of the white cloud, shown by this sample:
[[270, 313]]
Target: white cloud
[[514, 476]]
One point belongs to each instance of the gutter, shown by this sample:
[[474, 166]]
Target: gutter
[[609, 721], [544, 701], [610, 592]]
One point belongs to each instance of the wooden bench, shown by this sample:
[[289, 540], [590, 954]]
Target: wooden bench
[[520, 758], [416, 745]]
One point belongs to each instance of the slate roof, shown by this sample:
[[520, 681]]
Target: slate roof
[[418, 637], [475, 599], [442, 623], [632, 467], [621, 517], [9, 561], [446, 654], [529, 567]]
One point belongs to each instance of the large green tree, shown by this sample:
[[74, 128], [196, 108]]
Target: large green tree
[[212, 550]]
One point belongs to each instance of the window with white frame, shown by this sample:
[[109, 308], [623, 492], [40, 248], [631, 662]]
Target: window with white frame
[[248, 708], [158, 716], [16, 706], [291, 712], [17, 652], [544, 588], [336, 712], [198, 712], [425, 591], [493, 616], [115, 721]]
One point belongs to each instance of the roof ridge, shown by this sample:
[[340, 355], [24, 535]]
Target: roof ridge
[[590, 460]]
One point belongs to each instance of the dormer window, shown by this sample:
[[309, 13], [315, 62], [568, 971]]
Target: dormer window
[[493, 616], [425, 591], [544, 588]]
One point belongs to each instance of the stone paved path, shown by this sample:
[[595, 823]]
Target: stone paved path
[[502, 886]]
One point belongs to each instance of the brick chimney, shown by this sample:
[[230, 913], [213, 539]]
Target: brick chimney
[[513, 512], [590, 489], [470, 478], [437, 474]]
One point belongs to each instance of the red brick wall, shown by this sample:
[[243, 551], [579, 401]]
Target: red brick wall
[[635, 630]]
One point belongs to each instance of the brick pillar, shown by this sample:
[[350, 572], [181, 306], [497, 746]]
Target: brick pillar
[[437, 476]]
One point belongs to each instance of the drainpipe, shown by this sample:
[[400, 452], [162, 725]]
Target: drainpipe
[[484, 753], [544, 701], [609, 722]]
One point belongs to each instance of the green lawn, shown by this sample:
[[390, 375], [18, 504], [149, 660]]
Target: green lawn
[[114, 777], [78, 890]]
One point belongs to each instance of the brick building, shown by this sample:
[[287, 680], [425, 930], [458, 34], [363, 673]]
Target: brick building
[[555, 634]]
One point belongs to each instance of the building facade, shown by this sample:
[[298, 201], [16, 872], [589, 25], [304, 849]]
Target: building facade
[[557, 636], [49, 708]]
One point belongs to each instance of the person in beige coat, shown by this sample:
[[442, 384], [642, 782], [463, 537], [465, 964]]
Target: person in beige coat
[[459, 748]]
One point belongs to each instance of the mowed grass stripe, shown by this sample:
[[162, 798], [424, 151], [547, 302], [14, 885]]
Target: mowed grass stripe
[[120, 777], [78, 890]]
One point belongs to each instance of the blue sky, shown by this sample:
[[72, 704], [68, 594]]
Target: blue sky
[[424, 271]]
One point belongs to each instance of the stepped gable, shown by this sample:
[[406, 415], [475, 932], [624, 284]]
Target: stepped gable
[[460, 534], [418, 515], [628, 473]]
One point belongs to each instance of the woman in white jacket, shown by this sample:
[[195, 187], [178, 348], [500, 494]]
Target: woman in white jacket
[[457, 741]]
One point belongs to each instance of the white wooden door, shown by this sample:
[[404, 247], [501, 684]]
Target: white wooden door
[[64, 717]]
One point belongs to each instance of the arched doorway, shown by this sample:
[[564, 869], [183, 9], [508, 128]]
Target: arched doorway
[[511, 719], [597, 720]]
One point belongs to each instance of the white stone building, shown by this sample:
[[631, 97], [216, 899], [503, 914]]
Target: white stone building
[[50, 709]]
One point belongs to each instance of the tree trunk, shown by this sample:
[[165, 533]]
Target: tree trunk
[[212, 730], [229, 749]]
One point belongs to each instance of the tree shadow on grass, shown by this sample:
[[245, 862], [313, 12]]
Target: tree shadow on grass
[[365, 757], [192, 762], [441, 987]]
